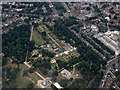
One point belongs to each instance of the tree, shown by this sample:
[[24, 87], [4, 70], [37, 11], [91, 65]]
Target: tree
[[26, 20], [31, 85], [10, 73], [63, 82], [25, 73], [115, 3], [71, 79], [16, 43], [80, 24], [105, 5], [32, 69], [115, 17], [4, 61], [44, 33], [110, 16], [36, 24], [20, 15], [52, 73], [88, 8], [78, 83], [83, 64], [97, 10]]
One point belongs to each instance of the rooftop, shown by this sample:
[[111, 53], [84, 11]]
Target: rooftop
[[57, 85], [65, 72]]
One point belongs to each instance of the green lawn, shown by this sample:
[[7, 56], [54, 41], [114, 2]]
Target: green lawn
[[33, 77], [38, 38], [21, 82], [38, 77]]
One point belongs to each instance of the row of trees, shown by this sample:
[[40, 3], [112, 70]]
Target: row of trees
[[103, 46], [93, 44]]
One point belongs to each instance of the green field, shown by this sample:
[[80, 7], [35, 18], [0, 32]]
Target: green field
[[39, 40], [21, 82]]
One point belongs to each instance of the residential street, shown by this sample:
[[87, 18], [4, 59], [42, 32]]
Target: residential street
[[115, 60]]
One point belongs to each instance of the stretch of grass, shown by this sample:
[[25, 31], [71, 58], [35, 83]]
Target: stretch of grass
[[22, 82], [38, 38]]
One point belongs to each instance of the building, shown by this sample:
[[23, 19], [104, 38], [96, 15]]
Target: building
[[57, 85], [65, 73], [46, 83], [94, 28], [107, 18], [110, 39], [65, 52]]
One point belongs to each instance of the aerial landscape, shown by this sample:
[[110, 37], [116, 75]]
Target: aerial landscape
[[60, 45]]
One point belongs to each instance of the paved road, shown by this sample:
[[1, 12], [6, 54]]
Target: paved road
[[66, 7], [31, 32], [74, 68], [40, 75], [108, 67], [27, 64]]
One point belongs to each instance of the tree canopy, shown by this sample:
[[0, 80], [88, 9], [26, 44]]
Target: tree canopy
[[17, 42]]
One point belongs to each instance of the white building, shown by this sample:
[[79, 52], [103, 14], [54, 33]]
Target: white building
[[110, 39], [57, 85], [94, 28], [18, 9], [107, 18], [65, 73]]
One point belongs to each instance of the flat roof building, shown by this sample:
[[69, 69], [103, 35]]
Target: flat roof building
[[65, 73], [111, 40], [57, 85], [46, 83]]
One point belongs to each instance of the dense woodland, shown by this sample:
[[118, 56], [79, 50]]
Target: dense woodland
[[11, 74], [16, 43]]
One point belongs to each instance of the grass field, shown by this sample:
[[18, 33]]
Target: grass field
[[35, 77], [22, 82], [38, 38], [41, 73]]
